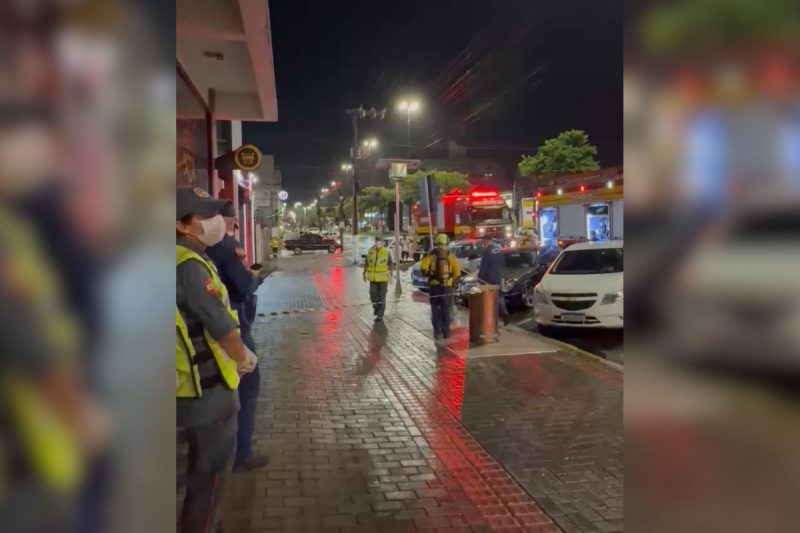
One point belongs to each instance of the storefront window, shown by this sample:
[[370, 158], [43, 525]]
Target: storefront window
[[192, 138]]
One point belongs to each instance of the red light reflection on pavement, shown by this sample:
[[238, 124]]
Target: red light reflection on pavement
[[450, 374]]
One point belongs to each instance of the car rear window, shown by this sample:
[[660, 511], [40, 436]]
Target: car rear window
[[600, 261], [519, 259]]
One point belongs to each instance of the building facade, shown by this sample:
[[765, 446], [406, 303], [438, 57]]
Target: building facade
[[225, 75]]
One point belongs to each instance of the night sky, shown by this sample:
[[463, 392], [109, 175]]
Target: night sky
[[497, 76]]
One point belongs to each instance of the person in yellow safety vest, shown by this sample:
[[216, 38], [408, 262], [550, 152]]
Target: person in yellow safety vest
[[210, 357], [274, 243], [442, 270], [378, 272], [52, 425]]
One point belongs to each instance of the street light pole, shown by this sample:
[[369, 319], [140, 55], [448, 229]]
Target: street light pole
[[355, 115], [398, 291], [354, 160]]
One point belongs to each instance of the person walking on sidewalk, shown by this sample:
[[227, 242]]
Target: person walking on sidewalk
[[442, 270], [491, 273], [378, 271], [404, 248], [241, 282], [210, 357]]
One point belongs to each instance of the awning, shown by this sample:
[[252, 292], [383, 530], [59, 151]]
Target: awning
[[226, 46]]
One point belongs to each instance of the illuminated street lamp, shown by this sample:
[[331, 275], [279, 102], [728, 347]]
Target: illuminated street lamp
[[408, 107], [346, 167], [324, 190], [333, 183], [370, 143]]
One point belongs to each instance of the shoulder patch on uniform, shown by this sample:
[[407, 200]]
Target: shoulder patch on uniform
[[239, 252], [209, 285]]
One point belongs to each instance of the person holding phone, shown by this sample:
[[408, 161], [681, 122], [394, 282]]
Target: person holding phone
[[241, 282]]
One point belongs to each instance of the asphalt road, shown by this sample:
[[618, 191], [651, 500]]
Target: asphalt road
[[605, 343]]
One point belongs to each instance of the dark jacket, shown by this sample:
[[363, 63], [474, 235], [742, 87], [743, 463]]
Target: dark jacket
[[492, 264], [240, 282]]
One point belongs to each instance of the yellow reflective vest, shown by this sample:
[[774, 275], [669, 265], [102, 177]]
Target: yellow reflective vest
[[187, 375], [442, 270], [49, 444], [377, 266]]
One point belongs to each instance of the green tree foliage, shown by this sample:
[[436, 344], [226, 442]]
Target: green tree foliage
[[717, 25], [375, 199], [569, 153], [445, 182]]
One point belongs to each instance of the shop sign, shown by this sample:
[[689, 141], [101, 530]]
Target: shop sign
[[247, 158]]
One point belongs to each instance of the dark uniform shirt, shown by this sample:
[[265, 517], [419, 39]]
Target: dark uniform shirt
[[228, 255], [201, 310], [492, 263]]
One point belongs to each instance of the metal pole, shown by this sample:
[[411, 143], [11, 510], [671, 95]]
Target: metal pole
[[430, 213], [397, 289], [354, 157], [408, 130]]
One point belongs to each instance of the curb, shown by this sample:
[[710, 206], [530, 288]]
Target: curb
[[574, 349]]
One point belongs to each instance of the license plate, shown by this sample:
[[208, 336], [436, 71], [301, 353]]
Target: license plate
[[572, 317]]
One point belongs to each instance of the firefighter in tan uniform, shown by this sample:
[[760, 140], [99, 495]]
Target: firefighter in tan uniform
[[210, 357], [442, 270]]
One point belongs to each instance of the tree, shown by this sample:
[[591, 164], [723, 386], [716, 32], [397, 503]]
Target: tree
[[375, 198], [445, 182], [699, 26], [569, 153]]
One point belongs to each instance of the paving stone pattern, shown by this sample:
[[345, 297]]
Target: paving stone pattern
[[371, 428]]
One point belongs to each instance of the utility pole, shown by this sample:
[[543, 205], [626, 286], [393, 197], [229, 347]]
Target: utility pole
[[355, 152]]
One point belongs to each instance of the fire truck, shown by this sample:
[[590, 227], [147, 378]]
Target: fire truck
[[481, 211], [577, 208]]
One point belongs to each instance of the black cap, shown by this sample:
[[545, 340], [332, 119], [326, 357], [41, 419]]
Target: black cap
[[228, 210], [197, 202]]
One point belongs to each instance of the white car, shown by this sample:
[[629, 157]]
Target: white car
[[314, 230], [334, 235], [582, 288]]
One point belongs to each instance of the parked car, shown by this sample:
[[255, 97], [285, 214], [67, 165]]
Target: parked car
[[334, 236], [567, 242], [309, 242], [468, 253], [522, 271], [736, 301], [582, 288]]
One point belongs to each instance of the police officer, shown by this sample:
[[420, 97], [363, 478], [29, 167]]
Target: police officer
[[241, 282], [210, 357], [491, 273], [378, 271], [442, 270]]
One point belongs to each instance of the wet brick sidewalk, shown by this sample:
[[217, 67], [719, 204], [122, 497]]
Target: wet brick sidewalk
[[371, 428]]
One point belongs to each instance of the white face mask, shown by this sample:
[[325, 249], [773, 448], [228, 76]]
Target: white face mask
[[213, 230]]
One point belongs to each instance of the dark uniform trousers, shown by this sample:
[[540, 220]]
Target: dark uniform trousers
[[377, 295], [440, 310], [211, 452], [248, 395]]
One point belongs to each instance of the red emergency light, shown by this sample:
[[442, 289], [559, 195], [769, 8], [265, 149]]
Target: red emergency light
[[484, 193], [583, 188]]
